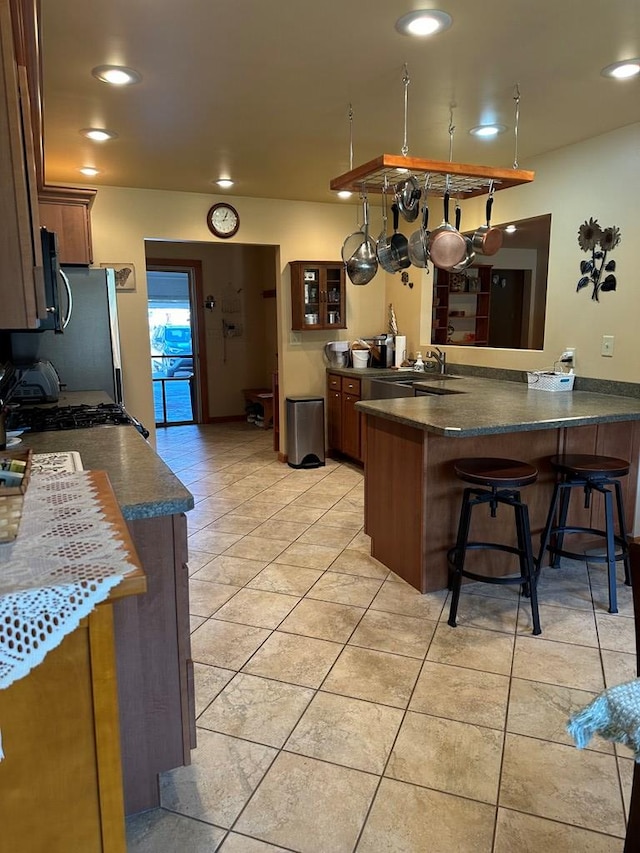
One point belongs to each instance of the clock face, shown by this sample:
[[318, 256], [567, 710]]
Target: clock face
[[223, 220]]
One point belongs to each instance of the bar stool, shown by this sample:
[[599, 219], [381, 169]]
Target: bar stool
[[591, 473], [501, 479]]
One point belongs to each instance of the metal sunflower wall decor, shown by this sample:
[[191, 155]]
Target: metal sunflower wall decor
[[599, 241]]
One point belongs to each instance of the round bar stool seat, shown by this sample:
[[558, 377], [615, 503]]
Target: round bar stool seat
[[591, 473], [501, 480]]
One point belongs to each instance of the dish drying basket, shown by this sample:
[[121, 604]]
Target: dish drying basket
[[550, 380], [12, 497]]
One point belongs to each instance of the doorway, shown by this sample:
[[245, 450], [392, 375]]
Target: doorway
[[172, 294]]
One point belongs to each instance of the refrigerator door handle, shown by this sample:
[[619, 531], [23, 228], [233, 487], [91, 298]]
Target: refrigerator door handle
[[67, 285]]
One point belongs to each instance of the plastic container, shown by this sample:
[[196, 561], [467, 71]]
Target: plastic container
[[360, 358], [543, 380]]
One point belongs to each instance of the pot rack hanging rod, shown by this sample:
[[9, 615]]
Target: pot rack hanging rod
[[466, 180]]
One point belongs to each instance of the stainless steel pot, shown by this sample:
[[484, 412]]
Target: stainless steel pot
[[407, 196], [470, 256], [399, 243], [418, 248], [383, 246], [446, 244], [363, 263], [487, 240]]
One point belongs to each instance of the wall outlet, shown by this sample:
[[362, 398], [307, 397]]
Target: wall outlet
[[607, 345], [295, 338], [568, 357]]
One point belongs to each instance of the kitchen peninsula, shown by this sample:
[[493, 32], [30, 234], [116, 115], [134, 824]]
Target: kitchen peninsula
[[412, 496], [153, 660]]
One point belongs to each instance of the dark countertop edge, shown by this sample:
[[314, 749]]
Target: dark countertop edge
[[151, 509]]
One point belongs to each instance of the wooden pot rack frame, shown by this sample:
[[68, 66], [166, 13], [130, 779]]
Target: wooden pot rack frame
[[465, 180]]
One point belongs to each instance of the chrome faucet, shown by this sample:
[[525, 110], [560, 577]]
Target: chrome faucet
[[440, 358]]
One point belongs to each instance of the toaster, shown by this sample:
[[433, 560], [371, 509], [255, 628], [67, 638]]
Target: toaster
[[38, 382]]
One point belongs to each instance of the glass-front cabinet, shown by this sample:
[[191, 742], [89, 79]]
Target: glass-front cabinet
[[317, 295]]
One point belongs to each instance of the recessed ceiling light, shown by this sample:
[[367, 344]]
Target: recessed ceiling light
[[116, 75], [225, 183], [622, 70], [89, 171], [486, 131], [423, 22], [98, 134], [344, 194], [510, 229]]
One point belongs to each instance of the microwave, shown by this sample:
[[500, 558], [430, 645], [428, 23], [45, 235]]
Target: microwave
[[55, 283]]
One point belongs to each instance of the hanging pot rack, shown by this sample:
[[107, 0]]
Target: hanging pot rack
[[465, 180]]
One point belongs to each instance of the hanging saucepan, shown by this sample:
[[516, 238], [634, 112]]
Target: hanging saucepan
[[399, 243], [418, 250], [383, 246], [470, 256], [407, 196], [363, 263], [487, 240], [446, 244]]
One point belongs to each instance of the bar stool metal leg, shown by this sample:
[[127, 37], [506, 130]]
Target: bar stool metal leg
[[622, 528], [611, 551], [458, 555], [546, 533], [527, 565], [565, 496]]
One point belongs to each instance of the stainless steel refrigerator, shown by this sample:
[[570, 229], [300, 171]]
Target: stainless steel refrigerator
[[87, 354]]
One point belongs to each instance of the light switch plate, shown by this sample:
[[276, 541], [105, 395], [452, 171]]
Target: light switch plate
[[607, 345], [295, 338]]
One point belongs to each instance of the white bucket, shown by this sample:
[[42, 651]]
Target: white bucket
[[360, 358]]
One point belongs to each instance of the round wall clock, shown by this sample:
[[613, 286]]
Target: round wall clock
[[223, 220]]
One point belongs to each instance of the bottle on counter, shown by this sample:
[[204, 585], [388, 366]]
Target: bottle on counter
[[418, 365]]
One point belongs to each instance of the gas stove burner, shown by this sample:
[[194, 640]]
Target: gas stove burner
[[44, 418]]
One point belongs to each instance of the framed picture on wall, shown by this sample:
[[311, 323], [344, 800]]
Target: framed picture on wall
[[125, 275]]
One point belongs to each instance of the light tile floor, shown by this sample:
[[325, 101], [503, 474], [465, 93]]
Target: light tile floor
[[337, 710]]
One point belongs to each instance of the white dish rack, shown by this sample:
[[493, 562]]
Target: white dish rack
[[549, 380]]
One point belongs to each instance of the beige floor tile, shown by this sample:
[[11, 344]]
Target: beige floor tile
[[374, 676], [234, 522], [625, 768], [361, 542], [279, 529], [558, 782], [543, 710], [297, 660], [407, 819], [222, 776], [322, 500], [483, 611], [391, 632], [257, 607], [225, 644], [205, 597], [256, 548], [257, 709], [357, 563], [558, 663], [197, 521], [342, 518], [600, 594], [261, 508], [161, 830], [212, 541], [466, 695], [198, 559], [308, 556], [345, 589], [565, 625], [323, 619], [209, 681], [524, 833], [616, 632], [195, 622], [346, 731], [457, 758], [402, 598], [309, 805], [489, 651], [306, 514], [350, 503], [217, 504], [322, 534], [292, 580], [618, 667], [232, 570], [235, 843], [565, 592]]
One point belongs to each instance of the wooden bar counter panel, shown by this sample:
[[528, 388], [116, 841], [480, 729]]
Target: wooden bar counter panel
[[412, 496]]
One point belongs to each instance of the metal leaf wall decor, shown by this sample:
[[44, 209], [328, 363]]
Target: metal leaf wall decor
[[599, 241]]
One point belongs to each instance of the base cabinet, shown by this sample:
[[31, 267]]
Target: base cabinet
[[155, 670], [344, 428]]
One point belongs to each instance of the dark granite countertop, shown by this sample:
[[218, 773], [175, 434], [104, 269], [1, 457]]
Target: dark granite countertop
[[490, 406], [144, 486]]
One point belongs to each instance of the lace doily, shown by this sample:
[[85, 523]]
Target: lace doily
[[64, 561]]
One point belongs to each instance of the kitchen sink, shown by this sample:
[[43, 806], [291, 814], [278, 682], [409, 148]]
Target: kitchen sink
[[404, 385]]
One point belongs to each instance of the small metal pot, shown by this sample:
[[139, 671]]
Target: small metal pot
[[446, 244], [363, 263], [470, 256], [383, 246], [487, 240], [418, 249], [407, 196], [399, 243]]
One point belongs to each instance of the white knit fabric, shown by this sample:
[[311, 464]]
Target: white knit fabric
[[64, 561]]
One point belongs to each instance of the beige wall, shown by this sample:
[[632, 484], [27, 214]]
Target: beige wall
[[594, 178]]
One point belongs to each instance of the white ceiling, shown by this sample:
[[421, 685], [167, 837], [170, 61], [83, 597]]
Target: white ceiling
[[260, 89]]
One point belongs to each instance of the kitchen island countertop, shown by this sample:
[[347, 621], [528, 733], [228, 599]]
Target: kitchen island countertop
[[144, 486], [489, 406]]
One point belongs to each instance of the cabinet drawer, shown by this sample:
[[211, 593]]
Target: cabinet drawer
[[351, 386], [334, 382]]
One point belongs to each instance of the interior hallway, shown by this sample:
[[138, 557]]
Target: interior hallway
[[337, 711]]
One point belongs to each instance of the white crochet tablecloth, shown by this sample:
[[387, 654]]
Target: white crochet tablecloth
[[65, 560]]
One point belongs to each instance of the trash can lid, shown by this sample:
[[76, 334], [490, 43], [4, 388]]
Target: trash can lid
[[303, 399]]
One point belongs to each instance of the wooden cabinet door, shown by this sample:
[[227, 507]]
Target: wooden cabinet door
[[71, 223], [317, 295], [350, 426], [334, 420]]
